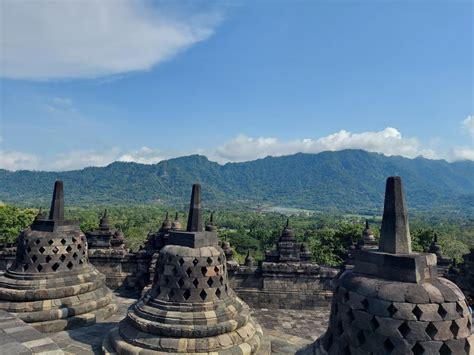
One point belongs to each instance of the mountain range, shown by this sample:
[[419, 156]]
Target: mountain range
[[348, 180]]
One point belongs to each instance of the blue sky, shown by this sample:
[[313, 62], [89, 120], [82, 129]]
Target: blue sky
[[89, 83]]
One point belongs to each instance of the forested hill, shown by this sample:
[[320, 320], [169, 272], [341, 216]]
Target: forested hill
[[349, 180]]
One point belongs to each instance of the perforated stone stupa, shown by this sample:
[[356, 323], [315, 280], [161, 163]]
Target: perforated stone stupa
[[393, 301], [51, 284], [190, 307]]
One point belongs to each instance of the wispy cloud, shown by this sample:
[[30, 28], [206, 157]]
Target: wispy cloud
[[13, 160], [60, 105], [144, 155], [468, 124], [44, 40]]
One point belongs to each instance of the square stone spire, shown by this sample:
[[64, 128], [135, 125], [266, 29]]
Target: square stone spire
[[56, 212], [394, 260], [194, 236], [395, 232], [195, 211]]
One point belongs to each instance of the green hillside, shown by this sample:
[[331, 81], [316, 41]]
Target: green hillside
[[350, 180]]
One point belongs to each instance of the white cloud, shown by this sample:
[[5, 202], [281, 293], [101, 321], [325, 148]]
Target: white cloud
[[44, 40], [13, 160], [144, 155], [468, 124], [79, 159], [60, 105], [388, 141], [462, 153]]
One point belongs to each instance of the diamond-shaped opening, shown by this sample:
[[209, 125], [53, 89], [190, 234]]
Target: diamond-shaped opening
[[42, 250], [25, 267], [196, 283], [203, 295], [79, 246], [75, 255], [48, 258], [55, 250], [441, 311], [171, 294], [195, 261], [34, 258], [404, 329], [346, 296], [28, 250], [388, 346], [365, 303], [189, 271], [361, 337], [216, 270], [204, 270], [74, 240], [63, 241], [226, 288], [180, 282], [454, 328], [221, 279], [210, 282], [219, 259], [181, 262], [374, 323], [209, 260], [218, 293], [55, 266], [350, 316], [328, 341], [62, 257], [167, 280], [68, 248], [431, 330], [392, 309], [467, 347], [459, 309], [186, 294], [339, 328], [80, 261], [39, 267], [69, 265], [417, 312], [445, 350], [417, 349], [37, 241], [50, 242]]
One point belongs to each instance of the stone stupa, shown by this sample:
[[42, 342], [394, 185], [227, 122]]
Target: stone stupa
[[190, 307], [51, 284], [392, 301]]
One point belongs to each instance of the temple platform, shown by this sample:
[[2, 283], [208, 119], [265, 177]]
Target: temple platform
[[284, 330]]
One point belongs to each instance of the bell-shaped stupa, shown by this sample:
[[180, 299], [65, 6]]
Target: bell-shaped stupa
[[51, 284], [190, 307], [392, 301]]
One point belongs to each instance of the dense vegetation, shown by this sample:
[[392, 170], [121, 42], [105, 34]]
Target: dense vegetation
[[349, 181], [328, 235]]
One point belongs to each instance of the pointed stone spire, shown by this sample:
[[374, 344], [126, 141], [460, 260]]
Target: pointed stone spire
[[210, 227], [195, 211], [40, 214], [56, 212], [176, 225], [104, 221], [395, 232], [367, 224]]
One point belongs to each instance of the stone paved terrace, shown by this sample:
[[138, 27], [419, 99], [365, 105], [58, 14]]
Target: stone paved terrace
[[284, 330]]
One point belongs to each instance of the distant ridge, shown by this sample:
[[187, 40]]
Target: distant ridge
[[348, 180]]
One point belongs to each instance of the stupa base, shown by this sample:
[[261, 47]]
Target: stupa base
[[81, 320], [114, 343]]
